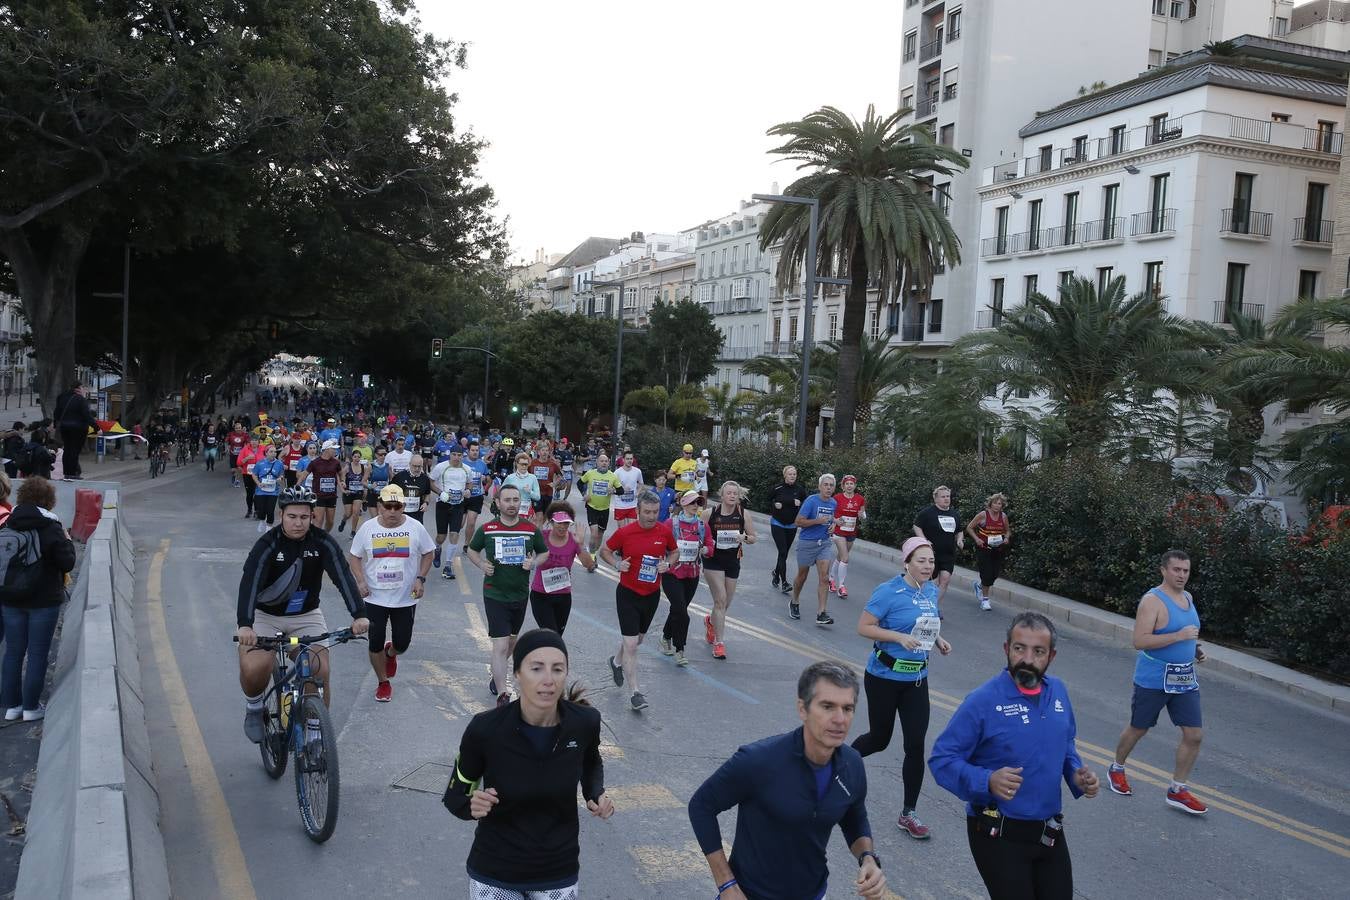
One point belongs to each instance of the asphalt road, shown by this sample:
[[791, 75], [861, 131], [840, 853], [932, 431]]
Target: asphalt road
[[1274, 772]]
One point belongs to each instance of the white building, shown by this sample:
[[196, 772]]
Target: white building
[[978, 70], [733, 280], [1321, 23], [16, 364]]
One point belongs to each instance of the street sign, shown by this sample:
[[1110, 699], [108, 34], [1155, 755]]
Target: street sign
[[102, 406]]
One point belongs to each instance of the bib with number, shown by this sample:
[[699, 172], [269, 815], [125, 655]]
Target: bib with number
[[541, 472], [510, 549], [647, 569], [327, 484], [556, 581], [688, 551], [1179, 678], [925, 631], [267, 484], [412, 503], [453, 496], [848, 523], [296, 604], [600, 488], [389, 573], [728, 540], [995, 540], [947, 523]]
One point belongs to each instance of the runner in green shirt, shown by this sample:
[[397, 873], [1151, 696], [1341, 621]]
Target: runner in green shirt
[[599, 485]]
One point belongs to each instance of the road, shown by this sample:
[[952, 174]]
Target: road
[[1274, 772]]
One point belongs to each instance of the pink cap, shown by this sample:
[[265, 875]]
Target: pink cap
[[908, 547], [562, 516]]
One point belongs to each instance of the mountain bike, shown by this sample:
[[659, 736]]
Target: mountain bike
[[159, 460], [182, 458], [297, 724]]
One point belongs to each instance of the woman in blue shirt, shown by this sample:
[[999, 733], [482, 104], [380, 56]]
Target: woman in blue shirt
[[267, 475], [903, 622]]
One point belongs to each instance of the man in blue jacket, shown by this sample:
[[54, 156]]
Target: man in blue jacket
[[1004, 752], [790, 791]]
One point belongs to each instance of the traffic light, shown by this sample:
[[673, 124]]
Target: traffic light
[[437, 344], [514, 409]]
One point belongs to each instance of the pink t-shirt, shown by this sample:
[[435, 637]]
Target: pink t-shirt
[[558, 558]]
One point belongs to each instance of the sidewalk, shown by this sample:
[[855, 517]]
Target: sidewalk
[[1120, 629]]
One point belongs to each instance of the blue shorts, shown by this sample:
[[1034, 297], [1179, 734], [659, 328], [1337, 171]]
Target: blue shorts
[[1147, 703], [811, 552]]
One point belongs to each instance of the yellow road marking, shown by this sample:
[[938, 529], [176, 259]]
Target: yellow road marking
[[477, 628], [658, 864], [642, 796], [226, 854], [458, 565]]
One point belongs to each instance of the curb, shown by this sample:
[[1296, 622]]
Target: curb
[[1120, 630]]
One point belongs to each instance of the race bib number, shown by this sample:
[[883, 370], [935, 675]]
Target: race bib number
[[600, 488], [947, 523], [1179, 678], [926, 631], [647, 569], [557, 580], [628, 496], [267, 484], [541, 472], [389, 575], [728, 540], [995, 540], [327, 484], [453, 496], [511, 550], [848, 523], [412, 503], [688, 551], [567, 475], [477, 489]]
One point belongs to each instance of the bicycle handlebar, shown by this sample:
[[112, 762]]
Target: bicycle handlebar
[[341, 636]]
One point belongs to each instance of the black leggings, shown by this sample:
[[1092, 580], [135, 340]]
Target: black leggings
[[400, 621], [266, 506], [680, 593], [551, 610], [782, 539], [886, 698], [990, 564], [1020, 870], [249, 488]]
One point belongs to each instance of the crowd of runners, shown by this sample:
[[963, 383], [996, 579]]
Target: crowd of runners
[[420, 498]]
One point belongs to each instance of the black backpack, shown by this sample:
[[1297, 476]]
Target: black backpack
[[20, 564]]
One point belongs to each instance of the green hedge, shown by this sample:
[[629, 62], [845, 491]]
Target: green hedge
[[1090, 530]]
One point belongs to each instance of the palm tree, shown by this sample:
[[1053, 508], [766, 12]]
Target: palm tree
[[879, 222], [941, 413], [1098, 359], [782, 398], [882, 370], [727, 406]]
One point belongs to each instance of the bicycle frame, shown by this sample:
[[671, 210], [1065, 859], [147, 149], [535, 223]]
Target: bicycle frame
[[292, 679]]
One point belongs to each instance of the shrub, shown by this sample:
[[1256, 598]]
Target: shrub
[[1305, 609]]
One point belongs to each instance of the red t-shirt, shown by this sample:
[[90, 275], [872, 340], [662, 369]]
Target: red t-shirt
[[847, 508], [237, 440], [249, 455], [545, 472], [323, 477], [643, 548]]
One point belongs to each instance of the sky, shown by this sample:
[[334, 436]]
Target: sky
[[609, 118]]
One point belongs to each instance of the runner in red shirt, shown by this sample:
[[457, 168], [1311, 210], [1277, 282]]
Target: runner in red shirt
[[321, 477], [250, 453], [291, 457], [549, 474], [849, 507], [642, 552], [235, 441]]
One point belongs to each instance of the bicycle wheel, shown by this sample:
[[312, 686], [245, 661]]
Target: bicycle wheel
[[273, 747], [316, 771]]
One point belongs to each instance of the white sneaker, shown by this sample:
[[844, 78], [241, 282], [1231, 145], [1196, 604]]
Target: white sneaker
[[13, 713], [32, 715], [262, 527], [985, 605]]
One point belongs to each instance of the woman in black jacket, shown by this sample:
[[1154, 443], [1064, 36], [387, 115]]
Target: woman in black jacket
[[30, 618], [784, 503], [517, 774]]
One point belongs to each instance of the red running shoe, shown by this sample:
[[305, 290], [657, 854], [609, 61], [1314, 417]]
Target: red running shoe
[[719, 650], [390, 660], [708, 634], [1185, 801], [911, 826], [1119, 784], [384, 692], [843, 591]]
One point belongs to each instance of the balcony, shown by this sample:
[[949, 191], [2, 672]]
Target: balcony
[[737, 354], [740, 305], [783, 348], [988, 318], [1244, 223], [926, 108], [1035, 165], [1317, 232], [1002, 245], [908, 333], [1249, 129], [1321, 141], [1102, 230], [949, 93], [1005, 172], [1114, 145], [930, 50], [909, 56], [1162, 131], [953, 32], [1223, 311], [1154, 223], [1073, 156]]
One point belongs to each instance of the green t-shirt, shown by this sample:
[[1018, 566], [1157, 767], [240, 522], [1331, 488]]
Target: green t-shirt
[[600, 487], [506, 546]]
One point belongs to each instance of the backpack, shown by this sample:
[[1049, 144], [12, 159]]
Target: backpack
[[20, 564]]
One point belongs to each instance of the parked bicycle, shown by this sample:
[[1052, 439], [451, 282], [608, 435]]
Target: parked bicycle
[[297, 723]]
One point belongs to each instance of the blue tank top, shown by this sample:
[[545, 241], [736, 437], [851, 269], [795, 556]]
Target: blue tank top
[[379, 476], [1151, 665]]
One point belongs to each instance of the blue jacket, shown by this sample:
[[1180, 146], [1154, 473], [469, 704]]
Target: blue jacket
[[781, 830], [997, 726]]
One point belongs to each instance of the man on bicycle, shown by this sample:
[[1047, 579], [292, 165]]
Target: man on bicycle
[[279, 594]]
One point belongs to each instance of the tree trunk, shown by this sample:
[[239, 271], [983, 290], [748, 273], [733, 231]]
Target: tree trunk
[[850, 349]]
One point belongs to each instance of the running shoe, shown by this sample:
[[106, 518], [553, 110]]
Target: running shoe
[[436, 559], [708, 634], [911, 826], [262, 527], [390, 660], [787, 586], [638, 701], [13, 713], [1183, 799], [254, 724], [794, 611], [832, 586], [680, 659], [384, 692], [32, 715], [447, 574], [503, 698], [616, 672], [824, 619], [342, 526], [719, 650], [776, 580], [977, 588], [492, 686], [1119, 783], [667, 647], [985, 604], [843, 591]]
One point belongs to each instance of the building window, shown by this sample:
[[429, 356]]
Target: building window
[[792, 328], [1071, 218], [1160, 7], [1234, 289], [1154, 59], [934, 316], [1110, 210], [1153, 279], [947, 135], [911, 45], [1157, 203], [943, 196], [834, 327], [996, 302], [1043, 157], [1029, 283], [1279, 117], [953, 25], [1001, 229], [1307, 284], [875, 329], [1118, 144], [1065, 278], [907, 99], [1079, 149], [893, 318], [1034, 225], [1103, 279]]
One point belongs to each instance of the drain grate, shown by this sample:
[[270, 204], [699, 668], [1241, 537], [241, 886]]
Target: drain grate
[[429, 778]]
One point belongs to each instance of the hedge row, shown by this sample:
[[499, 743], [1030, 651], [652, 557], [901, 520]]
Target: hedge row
[[1090, 530]]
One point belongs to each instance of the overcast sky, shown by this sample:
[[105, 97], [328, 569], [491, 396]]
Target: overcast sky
[[608, 118]]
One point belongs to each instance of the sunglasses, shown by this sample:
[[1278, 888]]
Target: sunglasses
[[387, 505]]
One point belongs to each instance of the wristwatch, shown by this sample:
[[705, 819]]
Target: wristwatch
[[421, 578], [866, 853]]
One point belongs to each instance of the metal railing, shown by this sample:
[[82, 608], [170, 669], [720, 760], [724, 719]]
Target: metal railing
[[1073, 156], [909, 56], [1112, 229], [782, 348], [1061, 236], [738, 354], [1249, 129], [1162, 131], [930, 50], [1223, 311], [1113, 145], [926, 108], [1313, 231], [910, 332], [1245, 221], [730, 307], [1154, 221], [1035, 165], [1322, 141], [1000, 245], [988, 318], [1005, 171], [953, 34]]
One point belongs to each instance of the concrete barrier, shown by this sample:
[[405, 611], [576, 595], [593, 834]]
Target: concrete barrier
[[93, 830]]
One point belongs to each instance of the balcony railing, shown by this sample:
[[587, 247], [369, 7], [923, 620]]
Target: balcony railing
[[1245, 222], [1112, 229], [1223, 311], [949, 93], [1313, 231], [1061, 236], [1154, 221], [953, 34], [1002, 244], [910, 332], [926, 108], [1005, 171], [909, 56], [1073, 156], [930, 50], [782, 348], [1249, 129], [742, 305], [738, 354], [1113, 145], [1035, 165], [988, 318], [1322, 141], [1162, 131]]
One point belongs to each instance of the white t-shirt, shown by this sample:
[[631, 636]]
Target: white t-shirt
[[450, 482], [398, 462], [629, 479], [391, 558]]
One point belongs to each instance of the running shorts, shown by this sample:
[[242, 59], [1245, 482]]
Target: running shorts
[[635, 610], [1148, 703], [597, 518], [449, 518], [504, 619]]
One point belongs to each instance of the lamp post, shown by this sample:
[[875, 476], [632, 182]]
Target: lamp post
[[488, 356], [618, 352]]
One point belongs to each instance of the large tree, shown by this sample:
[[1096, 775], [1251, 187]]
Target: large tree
[[682, 344], [880, 225]]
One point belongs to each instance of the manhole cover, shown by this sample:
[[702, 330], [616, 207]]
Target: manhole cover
[[430, 778]]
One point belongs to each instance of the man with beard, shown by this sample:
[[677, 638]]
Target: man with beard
[[1005, 752]]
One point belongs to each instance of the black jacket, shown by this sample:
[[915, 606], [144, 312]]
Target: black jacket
[[790, 496], [72, 411], [58, 555], [530, 836]]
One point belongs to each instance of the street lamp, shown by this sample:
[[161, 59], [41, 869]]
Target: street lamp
[[618, 353], [808, 298], [488, 356]]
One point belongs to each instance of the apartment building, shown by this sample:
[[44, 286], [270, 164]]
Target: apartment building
[[976, 71], [16, 364], [564, 278], [655, 278], [733, 280]]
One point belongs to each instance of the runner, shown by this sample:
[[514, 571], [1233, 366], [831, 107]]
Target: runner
[[816, 520], [532, 754], [210, 447], [849, 507], [504, 461], [784, 502], [249, 455], [992, 533], [444, 445], [267, 480], [903, 623], [321, 476], [294, 452], [598, 486], [363, 449], [641, 552], [331, 433], [354, 475], [526, 482], [399, 459], [940, 524], [1004, 752], [505, 549], [630, 485], [701, 472], [551, 583], [236, 441], [566, 462], [376, 480], [728, 529], [681, 582], [473, 505], [416, 487], [549, 475], [1166, 627], [450, 481], [789, 792], [279, 594], [390, 557], [667, 496], [682, 470]]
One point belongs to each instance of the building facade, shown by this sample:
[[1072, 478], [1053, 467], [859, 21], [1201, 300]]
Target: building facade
[[732, 280], [16, 364]]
